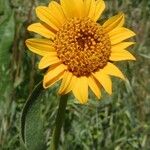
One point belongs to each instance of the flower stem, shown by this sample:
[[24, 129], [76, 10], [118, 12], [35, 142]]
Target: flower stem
[[59, 122]]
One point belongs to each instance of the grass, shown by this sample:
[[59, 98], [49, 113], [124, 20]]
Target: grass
[[119, 122]]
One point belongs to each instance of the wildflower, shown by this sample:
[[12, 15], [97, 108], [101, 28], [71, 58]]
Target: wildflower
[[78, 50]]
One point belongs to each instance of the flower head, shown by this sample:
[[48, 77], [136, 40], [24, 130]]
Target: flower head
[[78, 50]]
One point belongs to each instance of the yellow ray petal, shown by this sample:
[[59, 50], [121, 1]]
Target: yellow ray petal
[[66, 84], [104, 80], [100, 6], [54, 75], [40, 46], [111, 69], [80, 89], [121, 46], [120, 34], [42, 30], [57, 12], [45, 15], [71, 85], [49, 60], [89, 8], [73, 8], [94, 87], [114, 22], [122, 55]]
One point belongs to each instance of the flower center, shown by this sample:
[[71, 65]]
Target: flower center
[[83, 46]]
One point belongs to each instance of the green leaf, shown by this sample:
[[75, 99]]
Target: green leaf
[[5, 10], [1, 7], [145, 56], [32, 130], [7, 31]]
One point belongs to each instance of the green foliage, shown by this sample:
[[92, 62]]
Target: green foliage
[[117, 122], [31, 121], [7, 31]]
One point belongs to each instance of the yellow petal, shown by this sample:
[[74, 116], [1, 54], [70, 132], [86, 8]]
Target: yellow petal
[[121, 46], [54, 75], [111, 69], [94, 87], [40, 46], [45, 15], [114, 22], [49, 60], [89, 8], [121, 55], [104, 80], [120, 34], [80, 89], [42, 30], [100, 6], [66, 84], [57, 12], [73, 8]]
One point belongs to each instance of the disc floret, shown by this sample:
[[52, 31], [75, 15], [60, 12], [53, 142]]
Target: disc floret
[[83, 46]]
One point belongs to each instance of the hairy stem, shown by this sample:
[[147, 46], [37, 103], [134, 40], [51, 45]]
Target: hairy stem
[[59, 122]]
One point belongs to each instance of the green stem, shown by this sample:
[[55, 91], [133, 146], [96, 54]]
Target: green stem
[[59, 122]]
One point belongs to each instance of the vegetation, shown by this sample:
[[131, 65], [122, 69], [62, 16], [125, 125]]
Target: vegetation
[[117, 122]]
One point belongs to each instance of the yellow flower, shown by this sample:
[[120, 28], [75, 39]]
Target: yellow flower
[[78, 50]]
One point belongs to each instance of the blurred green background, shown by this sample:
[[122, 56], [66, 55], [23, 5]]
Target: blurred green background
[[117, 122]]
